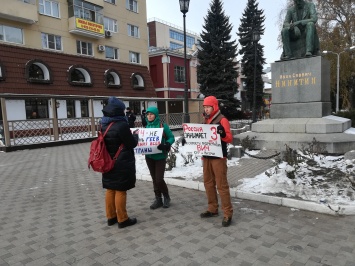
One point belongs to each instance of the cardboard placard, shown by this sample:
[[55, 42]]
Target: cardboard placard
[[202, 139], [148, 140]]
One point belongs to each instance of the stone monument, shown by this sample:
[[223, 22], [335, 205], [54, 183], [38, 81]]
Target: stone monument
[[301, 110]]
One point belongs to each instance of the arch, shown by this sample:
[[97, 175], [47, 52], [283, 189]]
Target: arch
[[79, 75], [36, 71], [112, 79], [137, 81]]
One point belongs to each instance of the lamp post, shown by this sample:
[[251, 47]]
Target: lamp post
[[184, 8], [338, 71], [256, 38]]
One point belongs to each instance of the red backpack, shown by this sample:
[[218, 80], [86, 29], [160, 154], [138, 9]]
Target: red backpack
[[99, 159]]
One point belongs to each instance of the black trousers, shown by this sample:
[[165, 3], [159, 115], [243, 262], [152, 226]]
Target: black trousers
[[157, 169]]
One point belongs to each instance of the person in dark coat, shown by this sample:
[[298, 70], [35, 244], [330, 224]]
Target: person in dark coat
[[130, 117], [144, 118], [123, 176]]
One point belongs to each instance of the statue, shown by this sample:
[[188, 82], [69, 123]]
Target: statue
[[299, 34]]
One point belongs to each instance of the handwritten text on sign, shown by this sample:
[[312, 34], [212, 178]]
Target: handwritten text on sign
[[148, 140], [202, 139]]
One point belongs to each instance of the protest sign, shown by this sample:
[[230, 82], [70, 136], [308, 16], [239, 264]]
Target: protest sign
[[148, 140], [202, 139]]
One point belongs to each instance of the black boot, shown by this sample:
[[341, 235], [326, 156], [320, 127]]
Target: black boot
[[166, 201], [128, 222], [157, 203]]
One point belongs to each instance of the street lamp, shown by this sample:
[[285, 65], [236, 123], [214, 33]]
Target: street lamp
[[184, 8], [256, 38], [338, 70]]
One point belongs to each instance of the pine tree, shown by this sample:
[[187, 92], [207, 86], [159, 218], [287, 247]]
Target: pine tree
[[217, 70], [252, 21]]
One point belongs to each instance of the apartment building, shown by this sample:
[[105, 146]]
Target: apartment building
[[65, 48], [166, 60]]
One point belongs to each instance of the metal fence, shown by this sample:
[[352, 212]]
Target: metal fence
[[26, 132]]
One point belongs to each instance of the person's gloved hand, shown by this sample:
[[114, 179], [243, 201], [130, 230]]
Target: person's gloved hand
[[183, 141], [164, 147], [135, 134], [221, 131]]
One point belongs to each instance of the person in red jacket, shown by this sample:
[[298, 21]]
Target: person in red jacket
[[215, 168]]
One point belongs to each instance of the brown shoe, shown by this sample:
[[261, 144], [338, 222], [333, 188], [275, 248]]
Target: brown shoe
[[208, 214], [226, 221]]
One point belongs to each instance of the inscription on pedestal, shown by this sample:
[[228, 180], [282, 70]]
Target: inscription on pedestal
[[302, 83]]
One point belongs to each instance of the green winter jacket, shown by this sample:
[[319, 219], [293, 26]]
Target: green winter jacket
[[167, 135]]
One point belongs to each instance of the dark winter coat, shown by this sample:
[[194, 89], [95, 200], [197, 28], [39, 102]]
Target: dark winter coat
[[123, 176], [131, 119]]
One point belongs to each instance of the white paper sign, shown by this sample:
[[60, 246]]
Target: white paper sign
[[202, 139], [148, 140]]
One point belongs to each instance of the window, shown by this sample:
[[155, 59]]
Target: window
[[133, 31], [71, 109], [11, 34], [110, 24], [180, 37], [112, 79], [190, 41], [36, 108], [37, 71], [2, 73], [49, 8], [132, 5], [79, 76], [84, 48], [50, 41], [86, 10], [174, 45], [111, 1], [179, 74], [137, 81], [111, 53], [84, 106], [134, 57]]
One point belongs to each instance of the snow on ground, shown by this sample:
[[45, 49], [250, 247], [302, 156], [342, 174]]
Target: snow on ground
[[322, 179]]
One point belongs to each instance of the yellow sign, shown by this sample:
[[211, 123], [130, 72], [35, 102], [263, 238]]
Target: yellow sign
[[89, 25]]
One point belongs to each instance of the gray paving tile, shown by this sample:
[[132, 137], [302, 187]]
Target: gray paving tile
[[52, 213]]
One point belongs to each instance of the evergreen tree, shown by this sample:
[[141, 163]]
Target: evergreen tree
[[217, 70], [252, 21]]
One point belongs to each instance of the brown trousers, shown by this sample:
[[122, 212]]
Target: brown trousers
[[116, 205], [215, 174]]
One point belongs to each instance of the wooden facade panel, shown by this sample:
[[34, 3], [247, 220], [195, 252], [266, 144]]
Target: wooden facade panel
[[14, 59]]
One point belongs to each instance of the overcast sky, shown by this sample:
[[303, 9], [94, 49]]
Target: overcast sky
[[169, 11]]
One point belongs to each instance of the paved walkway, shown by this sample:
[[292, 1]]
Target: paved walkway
[[52, 213]]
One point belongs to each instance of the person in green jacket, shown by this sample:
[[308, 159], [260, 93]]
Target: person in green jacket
[[156, 162]]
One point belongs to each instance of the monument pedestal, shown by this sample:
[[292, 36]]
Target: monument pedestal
[[301, 108]]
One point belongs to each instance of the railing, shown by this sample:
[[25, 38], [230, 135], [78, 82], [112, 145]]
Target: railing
[[39, 131]]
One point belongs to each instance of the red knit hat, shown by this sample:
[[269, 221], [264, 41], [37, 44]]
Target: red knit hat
[[211, 101]]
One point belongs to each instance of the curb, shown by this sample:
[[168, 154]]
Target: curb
[[335, 210]]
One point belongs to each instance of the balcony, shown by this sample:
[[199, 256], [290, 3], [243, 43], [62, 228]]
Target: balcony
[[24, 11], [87, 21], [86, 28]]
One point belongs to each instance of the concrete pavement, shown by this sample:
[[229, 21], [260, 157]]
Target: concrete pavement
[[52, 213]]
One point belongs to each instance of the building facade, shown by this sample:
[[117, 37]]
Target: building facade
[[72, 47], [166, 59]]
